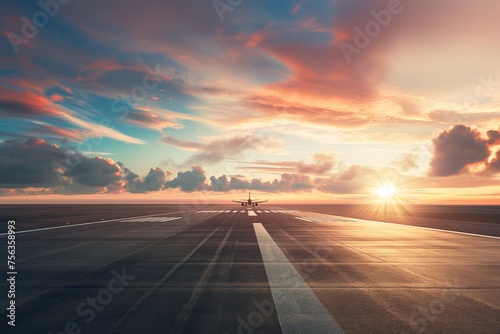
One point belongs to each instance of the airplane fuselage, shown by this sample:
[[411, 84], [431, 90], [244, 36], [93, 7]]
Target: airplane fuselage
[[249, 202]]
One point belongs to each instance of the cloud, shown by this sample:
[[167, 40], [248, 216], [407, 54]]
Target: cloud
[[49, 169], [406, 162], [218, 149], [41, 129], [189, 180], [323, 163], [456, 149], [289, 183], [493, 137], [95, 172], [17, 104], [103, 130], [303, 110], [494, 165], [152, 120], [153, 181], [353, 180], [14, 104], [36, 163], [28, 164]]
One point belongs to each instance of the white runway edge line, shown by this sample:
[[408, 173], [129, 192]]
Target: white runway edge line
[[151, 220], [298, 308], [348, 219], [450, 231], [89, 223]]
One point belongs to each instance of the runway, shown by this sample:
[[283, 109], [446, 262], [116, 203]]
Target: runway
[[229, 269]]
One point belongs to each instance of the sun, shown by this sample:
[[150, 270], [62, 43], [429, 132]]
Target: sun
[[386, 190]]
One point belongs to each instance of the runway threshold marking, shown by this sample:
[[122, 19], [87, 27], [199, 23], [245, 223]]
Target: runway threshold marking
[[298, 308], [251, 213]]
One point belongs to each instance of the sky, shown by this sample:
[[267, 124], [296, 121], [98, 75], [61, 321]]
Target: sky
[[296, 101]]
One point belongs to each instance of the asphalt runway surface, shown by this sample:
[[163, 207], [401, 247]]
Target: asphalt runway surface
[[229, 269]]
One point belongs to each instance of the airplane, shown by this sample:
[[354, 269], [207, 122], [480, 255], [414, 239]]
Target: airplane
[[249, 201]]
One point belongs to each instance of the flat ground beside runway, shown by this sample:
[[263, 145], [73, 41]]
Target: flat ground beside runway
[[219, 269]]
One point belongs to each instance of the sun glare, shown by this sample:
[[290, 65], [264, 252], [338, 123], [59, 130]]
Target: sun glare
[[386, 191]]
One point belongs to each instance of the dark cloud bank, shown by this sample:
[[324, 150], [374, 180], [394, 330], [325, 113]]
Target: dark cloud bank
[[36, 166]]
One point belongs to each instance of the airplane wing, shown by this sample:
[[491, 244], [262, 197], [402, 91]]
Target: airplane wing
[[259, 201], [243, 201]]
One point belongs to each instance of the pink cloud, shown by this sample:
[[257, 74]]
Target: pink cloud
[[456, 149]]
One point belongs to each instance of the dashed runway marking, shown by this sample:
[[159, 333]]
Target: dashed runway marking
[[236, 211]]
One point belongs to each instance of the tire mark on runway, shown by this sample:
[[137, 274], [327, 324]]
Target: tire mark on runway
[[367, 254], [167, 276], [135, 231], [399, 315], [224, 291], [101, 267], [85, 224], [195, 296]]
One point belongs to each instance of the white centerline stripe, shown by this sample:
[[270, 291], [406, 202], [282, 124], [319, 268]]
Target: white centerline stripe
[[252, 213], [298, 308]]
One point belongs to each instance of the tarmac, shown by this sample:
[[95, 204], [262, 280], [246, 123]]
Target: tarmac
[[232, 269]]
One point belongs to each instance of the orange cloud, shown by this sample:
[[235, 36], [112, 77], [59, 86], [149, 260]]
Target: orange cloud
[[57, 98]]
